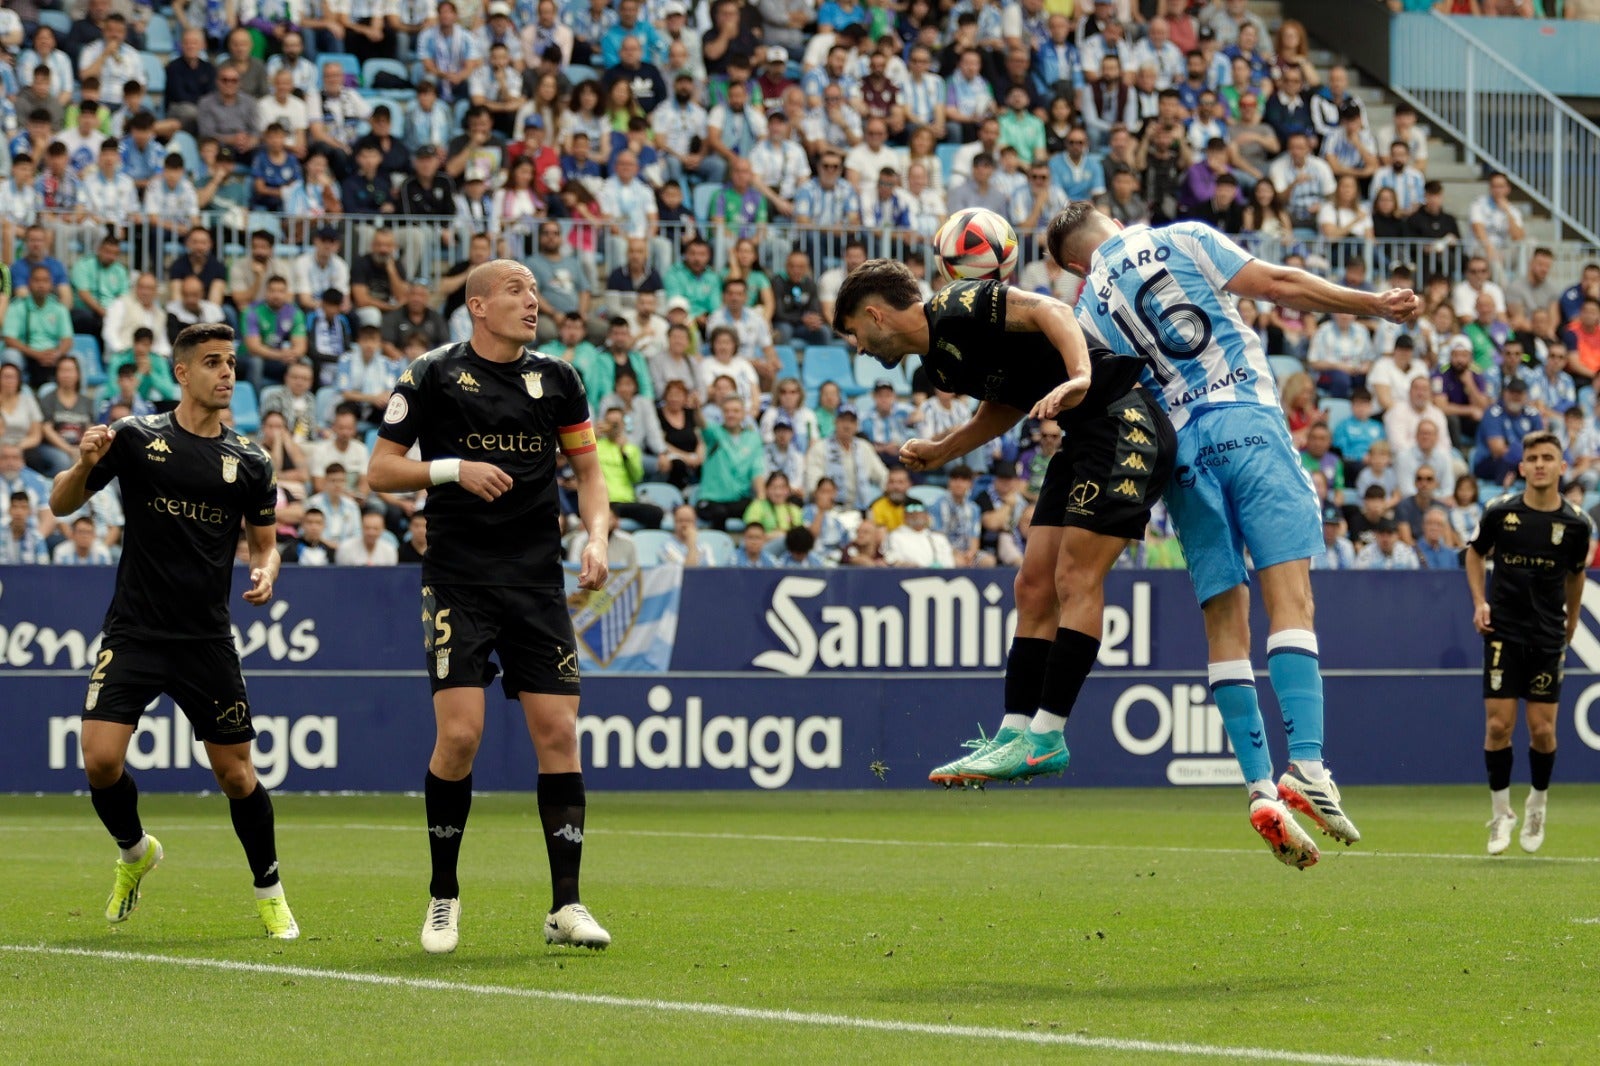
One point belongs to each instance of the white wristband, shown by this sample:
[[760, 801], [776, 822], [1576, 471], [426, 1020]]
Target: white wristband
[[444, 471]]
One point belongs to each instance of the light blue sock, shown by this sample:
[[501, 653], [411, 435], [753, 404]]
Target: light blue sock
[[1296, 675], [1233, 686]]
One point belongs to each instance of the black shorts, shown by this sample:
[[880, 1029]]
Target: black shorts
[[528, 630], [201, 676], [1111, 470], [1513, 671]]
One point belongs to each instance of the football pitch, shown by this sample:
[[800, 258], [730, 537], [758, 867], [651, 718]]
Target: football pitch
[[1013, 925]]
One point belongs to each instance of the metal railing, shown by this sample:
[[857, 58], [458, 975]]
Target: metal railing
[[1504, 118]]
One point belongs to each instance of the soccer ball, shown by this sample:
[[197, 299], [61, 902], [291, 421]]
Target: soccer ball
[[974, 244]]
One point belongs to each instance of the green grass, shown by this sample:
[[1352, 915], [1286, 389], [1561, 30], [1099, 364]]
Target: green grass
[[1129, 915]]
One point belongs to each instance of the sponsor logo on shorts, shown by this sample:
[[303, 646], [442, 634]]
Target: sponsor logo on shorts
[[1083, 493], [566, 663], [234, 715], [1540, 685]]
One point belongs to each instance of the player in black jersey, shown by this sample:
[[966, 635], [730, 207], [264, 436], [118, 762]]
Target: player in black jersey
[[1540, 545], [188, 482], [1018, 354], [490, 418]]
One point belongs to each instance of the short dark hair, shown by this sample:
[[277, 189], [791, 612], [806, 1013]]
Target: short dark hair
[[1067, 222], [799, 540], [888, 279], [264, 235], [192, 337], [144, 120], [960, 470], [1360, 394], [144, 333], [1541, 436], [348, 408]]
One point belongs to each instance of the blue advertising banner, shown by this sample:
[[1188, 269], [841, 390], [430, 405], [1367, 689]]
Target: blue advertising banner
[[777, 678]]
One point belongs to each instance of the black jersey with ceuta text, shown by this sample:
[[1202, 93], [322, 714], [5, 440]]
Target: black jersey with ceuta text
[[970, 352], [1533, 552], [184, 498], [520, 416]]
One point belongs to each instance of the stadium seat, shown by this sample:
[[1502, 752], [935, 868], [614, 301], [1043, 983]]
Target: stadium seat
[[908, 371], [1285, 365], [703, 195], [246, 408], [946, 154], [928, 494], [59, 21], [378, 65], [788, 363], [1586, 397], [577, 73], [86, 346], [158, 37], [183, 143], [661, 494], [869, 372], [351, 65], [826, 362], [155, 73], [328, 397], [1337, 411], [647, 545], [718, 546]]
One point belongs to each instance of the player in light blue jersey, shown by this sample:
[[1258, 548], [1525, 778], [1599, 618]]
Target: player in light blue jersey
[[1167, 295]]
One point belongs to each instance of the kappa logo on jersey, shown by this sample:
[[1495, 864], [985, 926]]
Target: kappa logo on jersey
[[230, 469], [1125, 487], [1512, 521], [467, 382], [1557, 531], [941, 299], [1133, 414], [156, 449], [406, 378], [1137, 437], [967, 299], [1135, 462], [533, 382]]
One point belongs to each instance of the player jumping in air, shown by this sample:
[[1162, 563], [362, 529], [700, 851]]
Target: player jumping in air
[[1540, 545], [1019, 353], [188, 483], [489, 417], [1164, 295]]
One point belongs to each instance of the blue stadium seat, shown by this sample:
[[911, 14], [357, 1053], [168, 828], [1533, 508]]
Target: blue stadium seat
[[718, 545], [1337, 411], [928, 494], [946, 154], [647, 545], [869, 372], [328, 397], [661, 494], [1285, 365], [155, 73], [246, 408], [351, 65], [86, 346], [576, 73], [183, 143], [788, 363], [703, 194], [1586, 397], [378, 65], [59, 21], [908, 370], [826, 362], [158, 37]]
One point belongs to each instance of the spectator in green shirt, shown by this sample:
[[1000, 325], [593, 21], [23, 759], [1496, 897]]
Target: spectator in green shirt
[[735, 462], [775, 509], [38, 329], [572, 346], [274, 333], [155, 372], [96, 281], [623, 468], [694, 280], [598, 368], [1022, 129]]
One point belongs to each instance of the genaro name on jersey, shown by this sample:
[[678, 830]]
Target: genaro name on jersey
[[1159, 294]]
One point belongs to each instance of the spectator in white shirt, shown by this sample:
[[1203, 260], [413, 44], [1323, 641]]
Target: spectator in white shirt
[[111, 59], [751, 328], [1387, 551], [371, 548], [1496, 222], [345, 451], [341, 514], [83, 549], [915, 545], [130, 311], [1464, 297]]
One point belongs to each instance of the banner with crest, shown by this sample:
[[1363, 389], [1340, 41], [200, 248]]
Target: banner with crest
[[631, 625]]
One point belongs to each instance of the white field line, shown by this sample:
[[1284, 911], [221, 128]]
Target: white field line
[[719, 1010], [775, 838]]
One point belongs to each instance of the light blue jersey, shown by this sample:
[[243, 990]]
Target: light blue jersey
[[1159, 294]]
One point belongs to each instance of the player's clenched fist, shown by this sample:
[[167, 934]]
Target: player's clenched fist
[[96, 439], [1399, 305], [485, 480], [918, 454]]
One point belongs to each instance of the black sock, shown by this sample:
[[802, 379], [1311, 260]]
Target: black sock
[[447, 803], [118, 808], [1499, 764], [1072, 656], [1540, 763], [253, 822], [1025, 670], [561, 807]]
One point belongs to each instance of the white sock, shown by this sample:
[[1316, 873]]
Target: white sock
[[1537, 798], [1264, 785], [1312, 769], [269, 893], [135, 853], [1046, 722], [1501, 798], [1019, 722]]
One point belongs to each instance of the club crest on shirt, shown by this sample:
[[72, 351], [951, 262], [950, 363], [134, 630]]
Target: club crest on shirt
[[1557, 532], [230, 468], [533, 382]]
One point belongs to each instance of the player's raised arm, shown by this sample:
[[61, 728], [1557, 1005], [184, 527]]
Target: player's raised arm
[[1304, 291], [71, 486], [987, 422], [1029, 312]]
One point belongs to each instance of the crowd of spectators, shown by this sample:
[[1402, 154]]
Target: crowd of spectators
[[689, 183]]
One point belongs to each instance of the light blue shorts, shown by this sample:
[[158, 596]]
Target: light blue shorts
[[1238, 484]]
